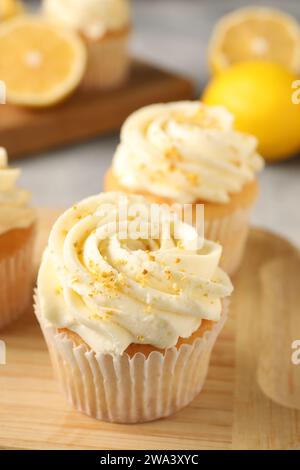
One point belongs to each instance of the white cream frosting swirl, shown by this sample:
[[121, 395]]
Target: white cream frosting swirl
[[94, 18], [185, 151], [14, 210], [115, 290]]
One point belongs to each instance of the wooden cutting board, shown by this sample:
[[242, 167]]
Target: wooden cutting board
[[88, 113], [231, 412]]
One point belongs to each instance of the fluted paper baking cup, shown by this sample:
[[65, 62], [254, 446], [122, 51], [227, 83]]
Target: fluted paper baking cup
[[16, 283], [127, 389], [231, 232], [108, 62]]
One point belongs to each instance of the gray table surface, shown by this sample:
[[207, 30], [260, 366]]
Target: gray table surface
[[173, 33]]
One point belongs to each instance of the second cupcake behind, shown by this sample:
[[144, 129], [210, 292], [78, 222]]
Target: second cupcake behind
[[186, 152]]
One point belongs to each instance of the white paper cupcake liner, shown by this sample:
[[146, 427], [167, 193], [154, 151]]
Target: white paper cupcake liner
[[130, 390], [231, 232], [16, 283], [108, 62]]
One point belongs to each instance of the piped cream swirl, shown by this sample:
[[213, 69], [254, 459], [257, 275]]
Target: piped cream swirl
[[185, 151], [14, 210], [94, 18], [115, 290]]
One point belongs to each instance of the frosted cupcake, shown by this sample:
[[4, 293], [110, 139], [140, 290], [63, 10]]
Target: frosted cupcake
[[130, 320], [105, 27], [189, 153], [17, 228]]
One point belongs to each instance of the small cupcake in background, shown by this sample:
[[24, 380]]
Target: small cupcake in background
[[17, 230], [130, 318], [186, 152], [105, 26]]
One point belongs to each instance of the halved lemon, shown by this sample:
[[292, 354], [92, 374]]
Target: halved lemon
[[10, 8], [255, 33], [40, 63]]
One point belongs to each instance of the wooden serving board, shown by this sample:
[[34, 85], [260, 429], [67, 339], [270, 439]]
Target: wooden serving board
[[231, 412], [88, 113]]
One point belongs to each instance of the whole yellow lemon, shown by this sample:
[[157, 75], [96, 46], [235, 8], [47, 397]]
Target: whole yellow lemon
[[261, 97]]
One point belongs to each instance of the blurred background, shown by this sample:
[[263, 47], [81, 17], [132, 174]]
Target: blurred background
[[174, 34]]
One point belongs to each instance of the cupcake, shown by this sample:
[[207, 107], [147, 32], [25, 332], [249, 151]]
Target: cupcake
[[17, 229], [105, 27], [130, 315], [189, 153]]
